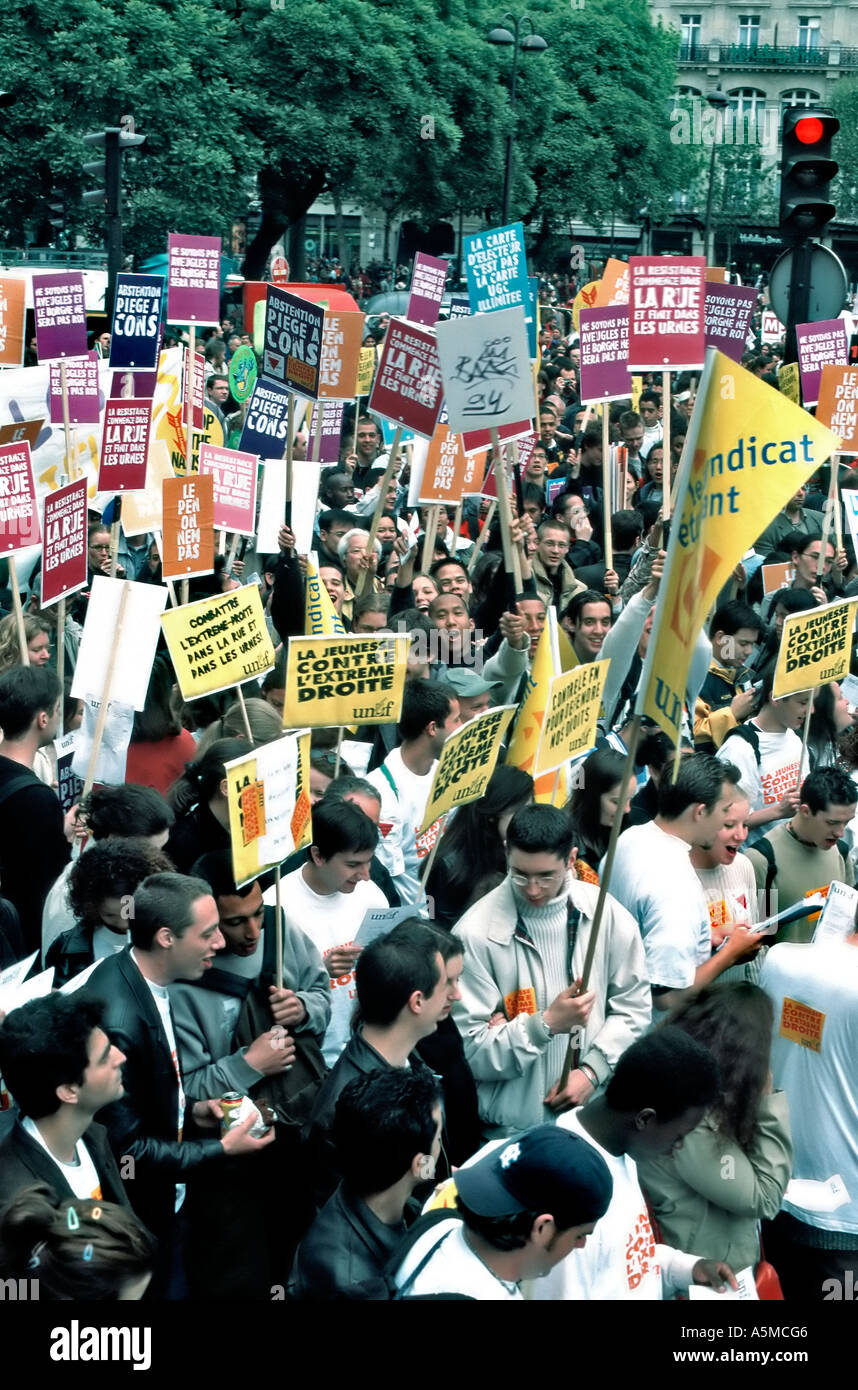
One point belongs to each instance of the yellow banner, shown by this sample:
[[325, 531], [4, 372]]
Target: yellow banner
[[320, 615], [218, 642], [816, 647], [366, 370], [467, 762], [302, 824], [789, 382], [570, 717], [344, 680], [748, 452], [261, 793]]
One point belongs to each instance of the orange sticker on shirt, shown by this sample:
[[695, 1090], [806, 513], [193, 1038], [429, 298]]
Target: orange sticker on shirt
[[823, 893], [801, 1024], [640, 1252], [520, 1001]]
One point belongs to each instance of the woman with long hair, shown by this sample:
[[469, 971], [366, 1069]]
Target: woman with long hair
[[37, 634], [159, 746], [828, 722], [471, 857], [732, 1170], [593, 805], [199, 799]]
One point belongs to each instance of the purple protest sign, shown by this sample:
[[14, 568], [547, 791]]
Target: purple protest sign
[[193, 283], [727, 311], [428, 281], [605, 353], [82, 387], [819, 344], [59, 307], [332, 424]]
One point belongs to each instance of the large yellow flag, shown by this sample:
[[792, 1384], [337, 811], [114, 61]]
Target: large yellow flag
[[749, 450], [320, 615], [553, 655]]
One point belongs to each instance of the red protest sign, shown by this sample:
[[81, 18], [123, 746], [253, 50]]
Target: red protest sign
[[474, 441], [64, 557], [408, 386], [124, 445], [188, 527], [667, 298], [234, 478], [19, 512]]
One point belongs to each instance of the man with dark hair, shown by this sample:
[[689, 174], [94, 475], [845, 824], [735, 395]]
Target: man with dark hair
[[727, 696], [174, 935], [452, 577], [626, 531], [554, 579], [60, 1068], [523, 1207], [526, 943], [653, 877], [800, 857], [33, 847], [430, 713], [368, 447], [332, 525], [360, 792], [650, 411], [587, 620], [767, 749], [793, 517], [659, 1093], [387, 1137], [449, 616], [337, 489], [632, 438]]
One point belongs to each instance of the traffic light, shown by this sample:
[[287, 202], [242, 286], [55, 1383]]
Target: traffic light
[[807, 170], [115, 140], [57, 210]]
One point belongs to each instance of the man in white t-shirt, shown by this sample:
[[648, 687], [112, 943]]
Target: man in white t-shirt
[[767, 752], [654, 879], [524, 1206], [813, 1242], [430, 713], [328, 898]]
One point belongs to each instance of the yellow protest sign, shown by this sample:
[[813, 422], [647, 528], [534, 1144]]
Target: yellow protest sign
[[366, 371], [261, 793], [218, 642], [586, 298], [816, 647], [789, 382], [320, 615], [467, 762], [573, 707], [748, 451], [345, 680], [302, 824]]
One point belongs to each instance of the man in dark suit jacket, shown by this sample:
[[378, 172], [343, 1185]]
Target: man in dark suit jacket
[[174, 936], [60, 1067]]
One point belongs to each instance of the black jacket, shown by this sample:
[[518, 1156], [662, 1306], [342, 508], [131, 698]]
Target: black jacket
[[344, 1253], [33, 848], [143, 1123], [23, 1162], [70, 954]]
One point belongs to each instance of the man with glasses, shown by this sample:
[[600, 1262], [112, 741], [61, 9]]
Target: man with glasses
[[522, 1003]]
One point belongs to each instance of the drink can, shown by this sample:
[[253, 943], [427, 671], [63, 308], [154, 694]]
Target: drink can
[[230, 1104]]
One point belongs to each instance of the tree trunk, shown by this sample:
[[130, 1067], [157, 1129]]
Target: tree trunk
[[286, 199], [298, 249]]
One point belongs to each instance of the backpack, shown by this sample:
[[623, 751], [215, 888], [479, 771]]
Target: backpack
[[748, 734], [766, 849], [421, 1225]]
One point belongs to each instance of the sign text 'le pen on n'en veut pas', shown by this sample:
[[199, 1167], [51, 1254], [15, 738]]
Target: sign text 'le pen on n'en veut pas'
[[218, 642], [344, 680]]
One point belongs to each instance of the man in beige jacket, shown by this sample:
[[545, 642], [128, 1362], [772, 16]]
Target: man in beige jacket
[[526, 942]]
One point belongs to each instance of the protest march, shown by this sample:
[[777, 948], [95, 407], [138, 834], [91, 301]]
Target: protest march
[[428, 792]]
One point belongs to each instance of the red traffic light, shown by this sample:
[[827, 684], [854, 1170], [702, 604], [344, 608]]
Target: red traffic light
[[809, 130]]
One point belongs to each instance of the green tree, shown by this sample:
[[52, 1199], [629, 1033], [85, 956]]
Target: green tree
[[844, 104]]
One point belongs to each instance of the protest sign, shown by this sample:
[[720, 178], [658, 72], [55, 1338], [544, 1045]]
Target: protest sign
[[378, 921], [129, 647], [193, 386], [124, 445], [81, 375], [569, 726], [467, 762], [272, 507], [135, 333], [477, 441], [486, 370], [69, 785], [727, 317], [320, 616], [748, 451], [233, 476], [819, 344], [142, 511], [407, 385], [266, 421], [188, 536], [332, 425], [496, 268], [243, 371], [366, 370], [64, 555], [460, 306], [59, 308], [261, 795], [13, 309], [342, 335], [302, 826], [666, 306], [718, 273], [428, 282], [837, 406], [604, 353], [113, 741], [613, 288], [789, 383], [815, 648], [345, 680], [305, 492], [292, 342], [193, 279], [19, 512], [777, 577], [218, 642], [771, 328], [443, 463]]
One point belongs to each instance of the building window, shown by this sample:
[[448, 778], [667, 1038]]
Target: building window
[[749, 30], [747, 101], [690, 32], [808, 33], [799, 96]]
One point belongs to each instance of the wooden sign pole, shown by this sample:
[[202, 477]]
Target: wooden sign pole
[[512, 560], [483, 536], [19, 612], [607, 507], [105, 694], [665, 470]]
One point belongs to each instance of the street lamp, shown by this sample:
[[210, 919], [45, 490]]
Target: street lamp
[[530, 43], [718, 101], [388, 202]]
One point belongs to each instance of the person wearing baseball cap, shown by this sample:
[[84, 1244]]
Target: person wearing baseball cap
[[523, 1206], [475, 694]]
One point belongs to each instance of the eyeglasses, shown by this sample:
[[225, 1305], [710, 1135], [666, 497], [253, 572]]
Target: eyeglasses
[[541, 880]]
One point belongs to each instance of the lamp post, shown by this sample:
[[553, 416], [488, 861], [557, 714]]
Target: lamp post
[[530, 43], [388, 200], [718, 101]]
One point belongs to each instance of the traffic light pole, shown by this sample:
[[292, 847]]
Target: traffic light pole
[[799, 295], [113, 230]]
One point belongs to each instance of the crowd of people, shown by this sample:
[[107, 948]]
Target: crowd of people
[[465, 1107]]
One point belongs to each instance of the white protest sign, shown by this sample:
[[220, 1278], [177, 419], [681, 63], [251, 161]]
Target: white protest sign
[[837, 919], [305, 490], [485, 365], [113, 750], [272, 507], [849, 499], [277, 767], [135, 641]]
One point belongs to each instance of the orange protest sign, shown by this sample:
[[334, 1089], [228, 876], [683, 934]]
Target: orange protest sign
[[446, 467], [342, 335], [777, 577], [188, 526], [801, 1024], [613, 288], [717, 273], [12, 314], [837, 406]]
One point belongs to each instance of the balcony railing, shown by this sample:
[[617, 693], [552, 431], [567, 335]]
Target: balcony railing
[[767, 55]]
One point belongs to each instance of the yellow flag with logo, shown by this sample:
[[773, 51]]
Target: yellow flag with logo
[[748, 451], [553, 655], [320, 615]]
